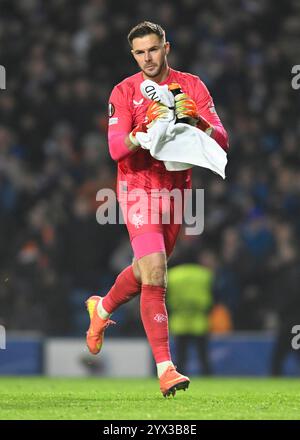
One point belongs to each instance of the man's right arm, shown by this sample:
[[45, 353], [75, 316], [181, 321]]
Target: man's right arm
[[119, 126]]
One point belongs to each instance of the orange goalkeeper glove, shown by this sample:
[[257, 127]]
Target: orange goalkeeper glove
[[158, 111], [185, 107], [186, 110]]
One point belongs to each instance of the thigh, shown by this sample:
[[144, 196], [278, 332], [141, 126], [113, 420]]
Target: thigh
[[148, 243], [141, 215], [153, 223]]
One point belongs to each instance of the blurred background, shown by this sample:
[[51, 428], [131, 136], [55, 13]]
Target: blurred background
[[62, 59]]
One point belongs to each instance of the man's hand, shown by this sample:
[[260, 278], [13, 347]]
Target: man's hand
[[158, 111], [185, 107], [139, 128]]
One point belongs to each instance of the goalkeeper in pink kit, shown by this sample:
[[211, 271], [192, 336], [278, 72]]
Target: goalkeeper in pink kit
[[152, 242]]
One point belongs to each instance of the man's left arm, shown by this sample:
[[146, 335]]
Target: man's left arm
[[207, 112]]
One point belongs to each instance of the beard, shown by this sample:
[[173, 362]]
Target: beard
[[155, 71]]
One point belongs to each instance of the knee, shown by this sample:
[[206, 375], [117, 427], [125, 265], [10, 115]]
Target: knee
[[156, 276]]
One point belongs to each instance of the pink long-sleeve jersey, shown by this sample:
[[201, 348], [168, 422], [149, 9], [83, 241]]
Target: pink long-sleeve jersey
[[127, 108]]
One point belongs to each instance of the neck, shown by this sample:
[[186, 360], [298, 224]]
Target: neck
[[162, 76]]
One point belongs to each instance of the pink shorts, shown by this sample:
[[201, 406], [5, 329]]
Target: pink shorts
[[153, 222]]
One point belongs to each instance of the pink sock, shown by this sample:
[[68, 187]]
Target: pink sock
[[155, 320], [125, 287]]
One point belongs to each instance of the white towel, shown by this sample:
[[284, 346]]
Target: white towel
[[180, 146]]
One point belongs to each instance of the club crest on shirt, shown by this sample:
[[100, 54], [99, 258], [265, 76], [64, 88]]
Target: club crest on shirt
[[111, 109], [138, 220]]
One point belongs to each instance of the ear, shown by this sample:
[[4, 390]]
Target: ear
[[167, 47], [133, 55]]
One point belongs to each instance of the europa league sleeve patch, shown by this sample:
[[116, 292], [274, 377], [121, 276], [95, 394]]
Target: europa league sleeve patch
[[111, 109]]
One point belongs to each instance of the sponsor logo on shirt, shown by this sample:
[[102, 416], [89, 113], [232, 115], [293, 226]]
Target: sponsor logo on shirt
[[140, 102]]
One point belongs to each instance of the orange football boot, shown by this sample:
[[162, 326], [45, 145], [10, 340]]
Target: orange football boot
[[95, 333], [171, 381]]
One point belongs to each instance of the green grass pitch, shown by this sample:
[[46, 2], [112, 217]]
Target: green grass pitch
[[140, 399]]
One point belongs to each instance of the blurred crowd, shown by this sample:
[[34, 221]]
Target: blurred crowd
[[62, 59]]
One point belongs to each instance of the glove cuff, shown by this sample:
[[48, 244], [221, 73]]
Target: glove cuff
[[205, 126], [209, 130], [134, 140]]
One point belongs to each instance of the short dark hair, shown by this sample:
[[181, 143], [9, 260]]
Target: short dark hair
[[146, 28]]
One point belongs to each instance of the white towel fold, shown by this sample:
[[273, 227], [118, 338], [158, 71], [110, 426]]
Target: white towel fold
[[180, 146]]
